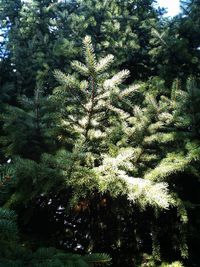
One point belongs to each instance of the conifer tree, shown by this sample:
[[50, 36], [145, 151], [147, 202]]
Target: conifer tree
[[176, 44], [88, 112], [123, 28], [44, 35], [89, 164], [29, 42], [27, 127]]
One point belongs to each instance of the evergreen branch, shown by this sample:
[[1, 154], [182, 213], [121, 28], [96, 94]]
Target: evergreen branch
[[120, 112], [131, 89], [116, 80], [98, 259], [114, 177], [80, 67], [90, 57], [173, 163], [72, 84], [68, 81], [104, 63]]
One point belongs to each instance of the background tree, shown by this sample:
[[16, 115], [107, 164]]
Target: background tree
[[176, 44], [44, 35]]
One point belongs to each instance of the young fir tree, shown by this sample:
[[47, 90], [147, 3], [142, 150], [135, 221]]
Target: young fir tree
[[88, 112], [107, 142], [90, 162], [90, 167], [27, 127]]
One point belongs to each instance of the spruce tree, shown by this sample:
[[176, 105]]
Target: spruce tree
[[27, 127], [176, 44], [44, 35], [29, 42], [121, 28], [90, 167], [88, 111]]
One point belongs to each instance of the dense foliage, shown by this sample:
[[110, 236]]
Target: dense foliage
[[99, 141]]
